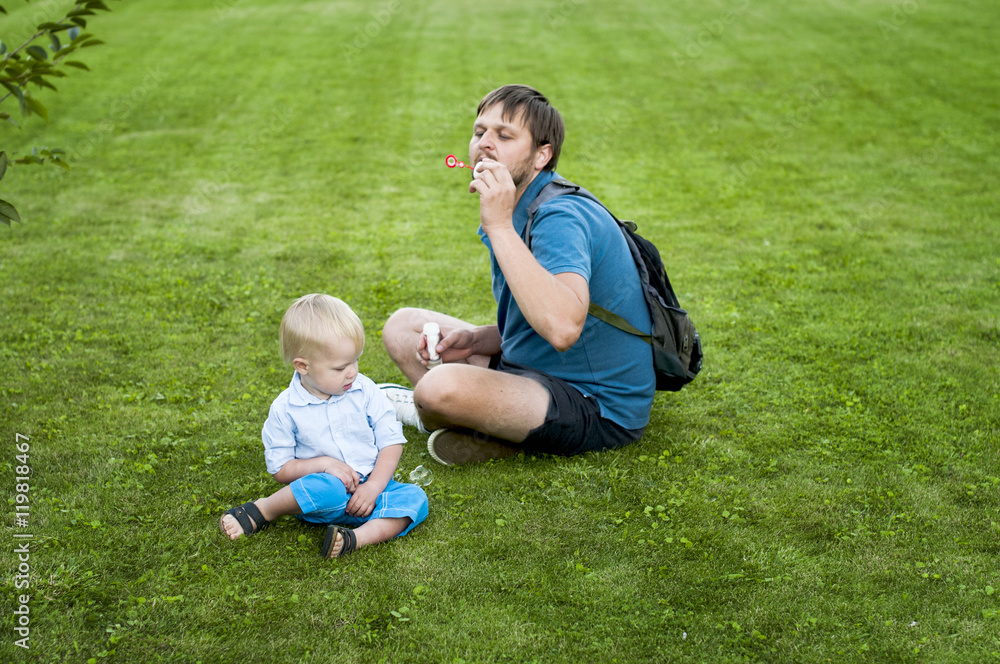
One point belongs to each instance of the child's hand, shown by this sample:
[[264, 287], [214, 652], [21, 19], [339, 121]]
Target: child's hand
[[362, 502], [344, 473]]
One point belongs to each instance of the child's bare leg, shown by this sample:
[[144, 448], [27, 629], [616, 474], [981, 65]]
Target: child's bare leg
[[373, 532], [279, 503]]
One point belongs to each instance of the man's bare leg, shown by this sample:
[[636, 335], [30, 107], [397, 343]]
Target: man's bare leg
[[401, 337], [501, 405], [463, 395]]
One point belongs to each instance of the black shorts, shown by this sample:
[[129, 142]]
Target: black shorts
[[573, 423]]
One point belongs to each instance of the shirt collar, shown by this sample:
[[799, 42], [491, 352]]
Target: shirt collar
[[300, 396], [529, 195]]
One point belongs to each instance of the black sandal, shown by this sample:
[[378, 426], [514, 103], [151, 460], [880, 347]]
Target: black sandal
[[330, 538], [249, 518]]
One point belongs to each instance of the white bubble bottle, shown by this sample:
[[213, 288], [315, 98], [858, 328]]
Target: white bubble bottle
[[433, 333]]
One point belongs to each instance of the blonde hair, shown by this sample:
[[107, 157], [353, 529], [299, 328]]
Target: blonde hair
[[313, 321]]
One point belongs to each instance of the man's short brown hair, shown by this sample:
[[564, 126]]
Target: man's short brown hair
[[542, 119]]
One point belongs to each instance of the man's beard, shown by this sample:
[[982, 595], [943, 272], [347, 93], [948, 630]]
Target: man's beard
[[522, 171]]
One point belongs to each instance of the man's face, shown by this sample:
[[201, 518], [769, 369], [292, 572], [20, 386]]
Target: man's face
[[507, 141]]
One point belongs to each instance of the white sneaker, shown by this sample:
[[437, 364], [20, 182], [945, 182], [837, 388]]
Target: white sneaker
[[402, 401]]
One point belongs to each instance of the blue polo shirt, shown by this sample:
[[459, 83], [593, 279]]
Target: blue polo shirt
[[572, 234]]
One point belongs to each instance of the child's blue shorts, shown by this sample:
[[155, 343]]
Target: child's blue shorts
[[323, 499]]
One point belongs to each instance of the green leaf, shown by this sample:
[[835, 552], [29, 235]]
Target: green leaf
[[42, 83], [78, 65], [35, 106], [19, 93], [37, 52], [8, 213], [3, 164], [91, 42]]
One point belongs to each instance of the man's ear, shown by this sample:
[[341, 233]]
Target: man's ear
[[542, 156], [301, 365]]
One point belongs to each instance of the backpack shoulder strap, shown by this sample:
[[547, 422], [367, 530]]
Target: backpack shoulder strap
[[562, 187], [613, 319], [555, 188]]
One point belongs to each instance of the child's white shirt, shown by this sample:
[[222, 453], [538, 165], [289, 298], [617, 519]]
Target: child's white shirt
[[351, 427]]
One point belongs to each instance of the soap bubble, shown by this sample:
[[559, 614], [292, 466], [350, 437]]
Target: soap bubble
[[421, 476]]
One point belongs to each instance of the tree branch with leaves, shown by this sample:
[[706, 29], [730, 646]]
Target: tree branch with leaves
[[29, 64]]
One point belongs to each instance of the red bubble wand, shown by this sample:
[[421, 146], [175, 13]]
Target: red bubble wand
[[452, 162]]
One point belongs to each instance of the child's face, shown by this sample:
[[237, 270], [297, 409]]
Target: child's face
[[329, 371]]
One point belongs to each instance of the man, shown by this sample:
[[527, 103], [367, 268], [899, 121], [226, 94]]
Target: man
[[547, 377]]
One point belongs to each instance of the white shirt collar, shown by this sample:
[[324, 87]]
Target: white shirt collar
[[300, 396]]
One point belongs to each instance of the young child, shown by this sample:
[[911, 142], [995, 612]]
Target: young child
[[333, 438]]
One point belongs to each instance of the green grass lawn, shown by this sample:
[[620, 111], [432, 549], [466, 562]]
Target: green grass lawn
[[821, 178]]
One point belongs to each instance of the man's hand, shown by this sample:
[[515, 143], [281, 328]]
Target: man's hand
[[459, 344], [497, 195], [456, 345]]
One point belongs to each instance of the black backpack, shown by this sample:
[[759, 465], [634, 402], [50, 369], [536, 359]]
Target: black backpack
[[676, 345]]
